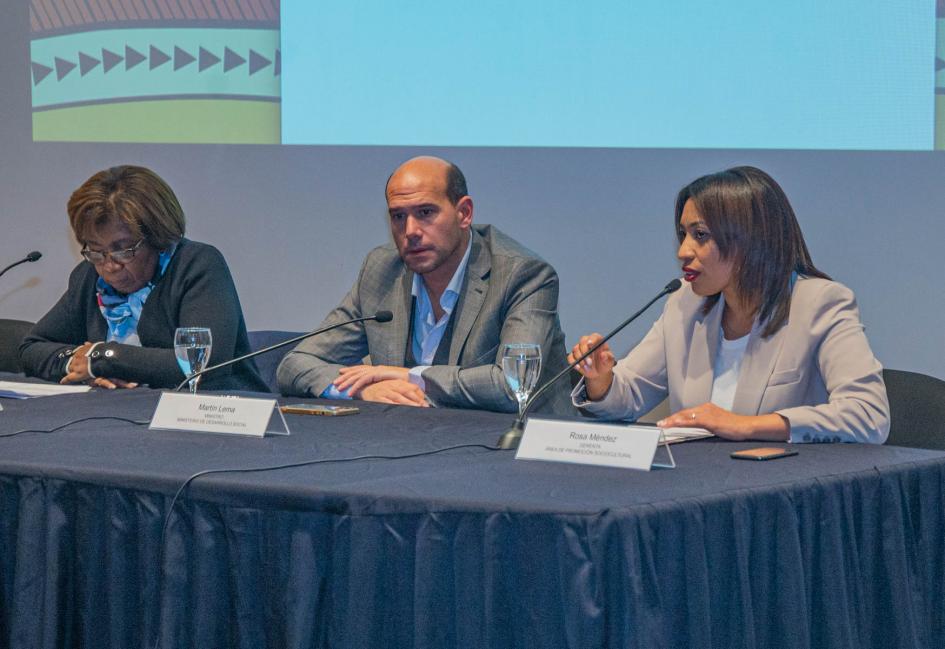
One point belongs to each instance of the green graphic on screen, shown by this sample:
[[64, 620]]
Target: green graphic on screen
[[176, 72]]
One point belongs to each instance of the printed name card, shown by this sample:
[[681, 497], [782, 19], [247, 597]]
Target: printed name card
[[200, 413], [578, 442]]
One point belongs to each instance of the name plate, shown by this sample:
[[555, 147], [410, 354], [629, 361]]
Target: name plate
[[578, 442], [200, 413]]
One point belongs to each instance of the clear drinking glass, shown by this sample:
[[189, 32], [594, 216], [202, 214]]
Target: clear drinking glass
[[521, 363], [192, 346]]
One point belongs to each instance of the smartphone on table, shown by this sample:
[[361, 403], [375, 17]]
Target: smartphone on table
[[318, 409], [762, 454]]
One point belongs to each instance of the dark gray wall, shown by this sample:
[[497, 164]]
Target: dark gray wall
[[295, 222]]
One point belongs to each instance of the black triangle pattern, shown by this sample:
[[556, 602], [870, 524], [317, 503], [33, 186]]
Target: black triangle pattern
[[156, 58]]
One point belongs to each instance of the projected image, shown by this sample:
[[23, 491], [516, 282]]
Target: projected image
[[155, 71], [940, 75], [807, 74]]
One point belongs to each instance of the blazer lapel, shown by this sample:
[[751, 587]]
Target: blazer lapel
[[471, 296], [395, 340], [757, 366], [703, 349]]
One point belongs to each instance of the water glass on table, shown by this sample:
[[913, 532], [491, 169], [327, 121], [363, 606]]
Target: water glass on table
[[521, 364], [192, 347]]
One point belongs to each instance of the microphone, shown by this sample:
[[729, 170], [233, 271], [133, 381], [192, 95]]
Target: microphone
[[380, 316], [33, 256], [511, 438]]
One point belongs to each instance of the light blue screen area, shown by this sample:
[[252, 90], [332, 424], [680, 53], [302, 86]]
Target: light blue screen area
[[806, 74]]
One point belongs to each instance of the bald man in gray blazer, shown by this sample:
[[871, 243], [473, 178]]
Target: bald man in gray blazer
[[458, 294]]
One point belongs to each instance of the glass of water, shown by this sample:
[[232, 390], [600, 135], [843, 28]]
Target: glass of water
[[192, 347], [521, 363]]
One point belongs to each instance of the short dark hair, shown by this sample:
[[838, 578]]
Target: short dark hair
[[455, 183], [753, 223], [137, 197]]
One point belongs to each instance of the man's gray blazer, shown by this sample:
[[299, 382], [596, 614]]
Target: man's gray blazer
[[509, 295]]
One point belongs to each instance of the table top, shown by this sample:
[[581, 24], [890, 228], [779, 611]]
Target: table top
[[123, 455]]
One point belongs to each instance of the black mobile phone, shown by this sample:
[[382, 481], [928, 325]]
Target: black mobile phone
[[762, 454]]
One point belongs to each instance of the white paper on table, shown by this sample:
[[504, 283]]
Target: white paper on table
[[677, 435], [18, 390]]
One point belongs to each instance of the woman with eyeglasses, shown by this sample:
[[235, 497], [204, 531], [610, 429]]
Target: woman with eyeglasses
[[759, 344], [141, 279]]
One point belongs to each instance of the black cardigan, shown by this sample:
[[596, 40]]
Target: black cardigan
[[196, 290]]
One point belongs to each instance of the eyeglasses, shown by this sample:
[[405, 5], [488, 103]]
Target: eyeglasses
[[117, 256]]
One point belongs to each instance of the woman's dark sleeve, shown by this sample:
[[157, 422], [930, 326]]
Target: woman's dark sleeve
[[153, 366], [43, 350]]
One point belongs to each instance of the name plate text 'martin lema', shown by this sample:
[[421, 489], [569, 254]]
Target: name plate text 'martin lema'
[[202, 413]]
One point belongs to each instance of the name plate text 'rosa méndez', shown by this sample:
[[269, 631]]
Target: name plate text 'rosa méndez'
[[579, 442]]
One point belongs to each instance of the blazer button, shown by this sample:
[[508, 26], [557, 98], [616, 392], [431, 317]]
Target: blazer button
[[109, 353]]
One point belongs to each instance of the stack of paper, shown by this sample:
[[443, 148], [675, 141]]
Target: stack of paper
[[17, 390], [676, 435]]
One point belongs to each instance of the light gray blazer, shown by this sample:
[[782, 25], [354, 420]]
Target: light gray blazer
[[817, 370], [509, 295]]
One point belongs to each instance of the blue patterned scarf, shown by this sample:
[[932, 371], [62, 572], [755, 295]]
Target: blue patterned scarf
[[122, 312]]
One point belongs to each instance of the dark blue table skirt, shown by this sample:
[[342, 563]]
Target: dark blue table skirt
[[841, 546]]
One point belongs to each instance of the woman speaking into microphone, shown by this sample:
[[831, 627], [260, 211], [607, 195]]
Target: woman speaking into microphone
[[758, 344], [140, 280]]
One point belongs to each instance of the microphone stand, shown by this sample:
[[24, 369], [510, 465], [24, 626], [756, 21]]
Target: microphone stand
[[380, 316], [33, 256], [513, 435]]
